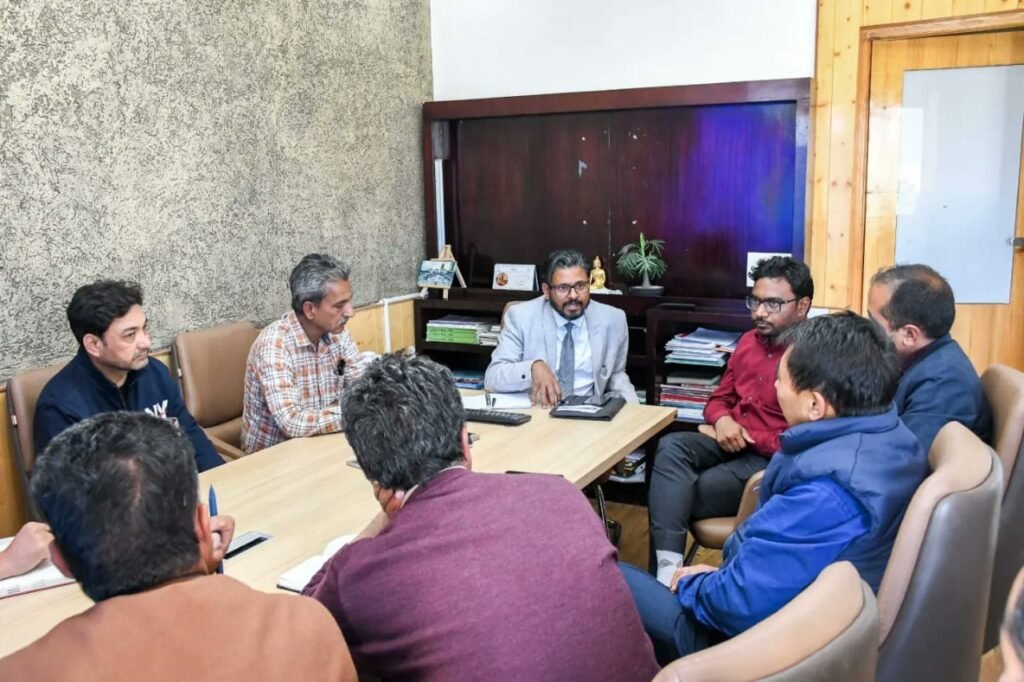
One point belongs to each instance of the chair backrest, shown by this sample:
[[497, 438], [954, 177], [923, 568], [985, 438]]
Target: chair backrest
[[211, 365], [22, 395], [934, 595], [1004, 389], [827, 632]]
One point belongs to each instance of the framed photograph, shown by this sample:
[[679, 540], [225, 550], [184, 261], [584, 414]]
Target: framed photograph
[[436, 274], [515, 277]]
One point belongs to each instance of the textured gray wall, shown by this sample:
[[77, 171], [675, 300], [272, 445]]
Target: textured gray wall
[[202, 147]]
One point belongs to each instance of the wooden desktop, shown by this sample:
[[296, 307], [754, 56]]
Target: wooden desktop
[[303, 494]]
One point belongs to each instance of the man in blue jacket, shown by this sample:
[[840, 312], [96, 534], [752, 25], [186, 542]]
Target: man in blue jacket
[[835, 491], [914, 305], [112, 370]]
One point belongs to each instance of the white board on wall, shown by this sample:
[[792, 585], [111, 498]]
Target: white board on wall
[[500, 48], [960, 136]]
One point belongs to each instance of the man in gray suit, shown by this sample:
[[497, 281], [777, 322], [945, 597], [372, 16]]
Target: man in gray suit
[[562, 343]]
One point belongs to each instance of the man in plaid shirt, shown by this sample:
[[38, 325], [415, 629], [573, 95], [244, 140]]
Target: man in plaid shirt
[[299, 364]]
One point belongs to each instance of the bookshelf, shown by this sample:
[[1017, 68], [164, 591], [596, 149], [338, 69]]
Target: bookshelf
[[664, 322]]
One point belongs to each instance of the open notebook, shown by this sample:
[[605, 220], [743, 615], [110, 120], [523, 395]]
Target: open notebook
[[294, 579], [39, 578]]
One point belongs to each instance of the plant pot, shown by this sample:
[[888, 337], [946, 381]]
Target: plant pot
[[647, 291]]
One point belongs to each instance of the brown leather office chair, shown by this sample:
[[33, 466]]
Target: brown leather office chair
[[1004, 388], [211, 365], [712, 533], [828, 632], [933, 599], [22, 395]]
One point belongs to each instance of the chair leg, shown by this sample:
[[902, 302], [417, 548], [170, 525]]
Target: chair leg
[[612, 528], [690, 553], [601, 510]]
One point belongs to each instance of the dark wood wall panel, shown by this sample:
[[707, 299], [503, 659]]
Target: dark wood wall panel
[[529, 185], [714, 179]]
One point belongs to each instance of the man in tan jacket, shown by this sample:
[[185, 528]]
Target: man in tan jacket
[[121, 494]]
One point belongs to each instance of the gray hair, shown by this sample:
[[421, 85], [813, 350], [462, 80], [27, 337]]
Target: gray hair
[[309, 279], [403, 419], [562, 259]]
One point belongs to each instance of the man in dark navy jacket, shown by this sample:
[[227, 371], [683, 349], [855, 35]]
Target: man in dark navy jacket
[[836, 490], [914, 305], [112, 370]]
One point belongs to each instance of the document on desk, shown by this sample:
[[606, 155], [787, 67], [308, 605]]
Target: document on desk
[[295, 579], [499, 401], [39, 578]]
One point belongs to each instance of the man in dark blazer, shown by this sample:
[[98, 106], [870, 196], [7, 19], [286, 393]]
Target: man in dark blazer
[[914, 305]]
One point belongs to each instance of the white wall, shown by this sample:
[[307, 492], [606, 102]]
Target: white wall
[[496, 48]]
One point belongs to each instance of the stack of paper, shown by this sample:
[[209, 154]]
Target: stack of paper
[[497, 401], [489, 337], [459, 329], [705, 347], [691, 399]]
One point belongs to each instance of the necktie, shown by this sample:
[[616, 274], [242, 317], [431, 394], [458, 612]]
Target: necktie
[[567, 363]]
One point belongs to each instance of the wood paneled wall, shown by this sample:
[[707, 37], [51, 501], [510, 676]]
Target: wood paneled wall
[[367, 327], [835, 252]]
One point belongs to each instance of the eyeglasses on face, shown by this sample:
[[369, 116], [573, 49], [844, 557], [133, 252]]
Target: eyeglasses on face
[[772, 305], [579, 288]]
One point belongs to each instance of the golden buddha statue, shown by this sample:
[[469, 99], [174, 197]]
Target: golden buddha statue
[[597, 276]]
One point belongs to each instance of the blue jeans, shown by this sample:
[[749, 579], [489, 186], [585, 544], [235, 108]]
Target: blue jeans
[[673, 631]]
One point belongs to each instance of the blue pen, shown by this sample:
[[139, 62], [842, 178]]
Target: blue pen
[[213, 512]]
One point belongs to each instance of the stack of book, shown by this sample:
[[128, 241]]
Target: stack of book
[[459, 329], [688, 391], [468, 378], [489, 337], [704, 347]]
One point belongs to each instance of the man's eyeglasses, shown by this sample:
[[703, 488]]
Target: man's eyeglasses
[[564, 289], [772, 305]]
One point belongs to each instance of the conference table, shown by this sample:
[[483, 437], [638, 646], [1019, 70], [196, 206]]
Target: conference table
[[304, 493]]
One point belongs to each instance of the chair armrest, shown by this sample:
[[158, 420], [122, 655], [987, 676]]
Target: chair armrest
[[227, 451]]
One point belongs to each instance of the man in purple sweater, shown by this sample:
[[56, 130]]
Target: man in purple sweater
[[474, 576]]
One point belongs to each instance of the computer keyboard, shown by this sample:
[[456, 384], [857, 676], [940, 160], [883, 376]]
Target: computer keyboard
[[496, 417]]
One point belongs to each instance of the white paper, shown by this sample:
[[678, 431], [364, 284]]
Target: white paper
[[42, 576], [499, 401], [295, 579]]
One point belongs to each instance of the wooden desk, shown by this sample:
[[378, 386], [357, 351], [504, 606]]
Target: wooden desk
[[304, 494]]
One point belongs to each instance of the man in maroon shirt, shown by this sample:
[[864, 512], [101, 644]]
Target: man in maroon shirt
[[470, 576], [701, 475]]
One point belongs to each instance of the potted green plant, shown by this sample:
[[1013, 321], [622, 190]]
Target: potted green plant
[[642, 260]]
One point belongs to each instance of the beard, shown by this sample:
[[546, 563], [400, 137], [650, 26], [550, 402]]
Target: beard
[[766, 329], [571, 310]]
